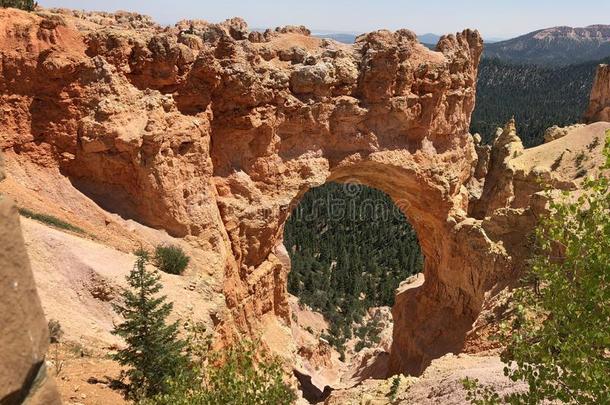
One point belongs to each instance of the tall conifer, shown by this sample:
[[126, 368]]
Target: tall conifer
[[153, 351]]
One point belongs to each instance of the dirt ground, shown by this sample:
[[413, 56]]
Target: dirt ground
[[84, 377], [78, 279], [441, 383]]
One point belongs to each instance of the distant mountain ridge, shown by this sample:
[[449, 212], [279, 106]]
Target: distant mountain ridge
[[554, 46], [345, 37], [431, 39]]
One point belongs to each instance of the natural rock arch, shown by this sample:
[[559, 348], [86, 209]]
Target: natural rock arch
[[421, 158], [432, 318], [213, 133]]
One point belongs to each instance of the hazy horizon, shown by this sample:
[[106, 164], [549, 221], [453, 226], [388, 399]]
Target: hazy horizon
[[498, 19]]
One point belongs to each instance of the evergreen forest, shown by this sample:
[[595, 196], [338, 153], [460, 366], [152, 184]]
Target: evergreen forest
[[350, 247], [537, 96]]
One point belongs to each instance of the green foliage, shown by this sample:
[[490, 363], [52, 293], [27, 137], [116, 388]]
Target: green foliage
[[350, 247], [50, 220], [559, 340], [538, 97], [233, 376], [368, 333], [153, 352], [171, 259], [478, 394], [394, 388], [27, 5]]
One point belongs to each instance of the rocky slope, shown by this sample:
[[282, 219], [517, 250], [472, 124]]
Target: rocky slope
[[213, 134], [554, 46]]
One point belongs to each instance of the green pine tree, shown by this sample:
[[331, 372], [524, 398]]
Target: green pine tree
[[153, 352], [347, 260]]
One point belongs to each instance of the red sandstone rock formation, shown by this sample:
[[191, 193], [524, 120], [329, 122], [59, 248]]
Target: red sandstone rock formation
[[599, 104], [210, 131]]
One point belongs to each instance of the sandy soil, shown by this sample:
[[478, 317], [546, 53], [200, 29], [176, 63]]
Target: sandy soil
[[78, 279], [84, 378], [561, 158], [440, 383]]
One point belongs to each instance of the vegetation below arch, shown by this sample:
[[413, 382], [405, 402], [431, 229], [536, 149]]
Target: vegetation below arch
[[350, 247]]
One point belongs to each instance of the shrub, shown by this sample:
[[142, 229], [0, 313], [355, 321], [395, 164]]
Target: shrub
[[171, 259], [557, 161], [394, 388], [232, 376], [593, 144], [55, 331], [581, 173], [27, 5], [50, 220], [580, 158]]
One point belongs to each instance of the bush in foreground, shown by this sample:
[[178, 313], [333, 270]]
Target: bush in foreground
[[234, 376], [559, 340], [165, 370], [55, 331], [171, 259]]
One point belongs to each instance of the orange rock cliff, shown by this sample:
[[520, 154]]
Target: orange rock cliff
[[213, 132], [599, 104]]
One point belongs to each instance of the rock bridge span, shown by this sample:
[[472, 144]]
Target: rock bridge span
[[214, 132]]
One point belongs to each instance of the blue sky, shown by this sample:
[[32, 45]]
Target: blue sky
[[493, 18]]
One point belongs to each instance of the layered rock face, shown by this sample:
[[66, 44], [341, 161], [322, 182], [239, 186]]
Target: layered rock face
[[599, 103], [212, 132]]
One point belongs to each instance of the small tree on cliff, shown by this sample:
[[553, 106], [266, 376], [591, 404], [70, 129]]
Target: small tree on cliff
[[27, 5], [153, 352], [559, 340]]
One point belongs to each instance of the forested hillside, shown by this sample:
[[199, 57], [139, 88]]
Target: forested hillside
[[538, 97], [350, 247]]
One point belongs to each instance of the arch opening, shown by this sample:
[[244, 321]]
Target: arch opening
[[432, 315], [350, 247]]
